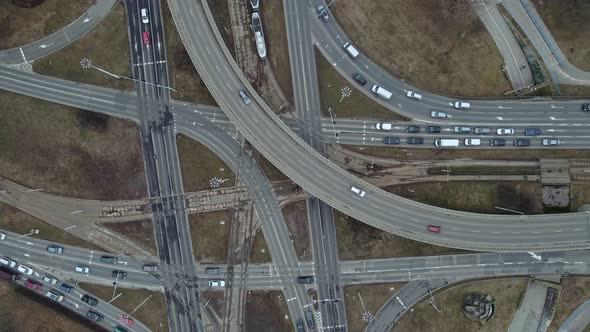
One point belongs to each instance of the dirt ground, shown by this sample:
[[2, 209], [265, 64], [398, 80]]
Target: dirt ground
[[275, 33], [479, 197], [215, 299], [579, 195], [259, 252], [140, 232], [21, 310], [296, 218], [356, 106], [198, 165], [69, 152], [269, 169], [357, 240], [220, 11], [14, 220], [438, 45], [182, 74], [153, 313], [485, 154], [107, 46], [567, 21], [424, 318], [210, 235], [267, 312], [575, 291], [373, 297], [20, 26]]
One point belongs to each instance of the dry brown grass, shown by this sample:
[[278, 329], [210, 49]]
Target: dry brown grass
[[153, 313], [575, 291], [20, 26], [296, 218], [374, 296], [266, 312], [199, 164], [140, 232], [210, 235], [259, 252], [579, 195], [107, 46], [424, 318], [24, 311], [69, 152], [567, 21], [438, 45]]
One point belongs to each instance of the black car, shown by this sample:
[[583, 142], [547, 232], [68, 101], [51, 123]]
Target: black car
[[412, 129], [309, 320], [89, 300], [359, 79], [497, 142], [118, 274], [433, 129], [305, 279], [521, 142], [391, 140], [532, 132], [109, 259], [66, 288], [300, 326], [95, 316], [415, 140], [586, 107]]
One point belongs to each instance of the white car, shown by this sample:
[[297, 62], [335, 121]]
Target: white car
[[48, 279], [82, 269], [550, 141], [25, 269], [472, 141], [383, 126], [7, 261], [505, 131], [2, 236], [414, 95], [359, 192], [217, 283], [439, 115], [462, 105]]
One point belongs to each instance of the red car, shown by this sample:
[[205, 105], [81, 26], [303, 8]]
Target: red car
[[125, 320], [434, 229], [33, 285], [146, 38]]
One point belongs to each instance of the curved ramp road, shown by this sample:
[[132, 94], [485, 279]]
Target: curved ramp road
[[59, 39], [578, 321], [328, 182]]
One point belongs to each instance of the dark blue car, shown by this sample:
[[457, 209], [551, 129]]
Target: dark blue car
[[532, 132]]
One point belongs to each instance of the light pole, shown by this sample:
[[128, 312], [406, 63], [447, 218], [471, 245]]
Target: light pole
[[432, 303], [87, 64], [509, 210], [333, 122], [33, 231]]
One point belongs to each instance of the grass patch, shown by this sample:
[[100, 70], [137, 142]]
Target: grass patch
[[19, 305], [15, 220], [199, 164], [357, 240], [107, 46], [259, 252], [575, 291], [297, 223], [267, 311], [270, 170], [484, 170], [220, 11], [153, 313], [438, 45], [275, 33], [140, 232], [478, 197], [570, 90], [69, 152], [568, 23], [356, 106], [20, 26], [479, 154], [506, 292], [182, 73], [210, 235], [374, 296], [579, 195]]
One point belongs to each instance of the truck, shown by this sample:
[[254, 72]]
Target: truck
[[8, 274], [381, 92], [351, 50], [446, 142]]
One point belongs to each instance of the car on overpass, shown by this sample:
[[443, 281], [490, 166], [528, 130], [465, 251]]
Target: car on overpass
[[586, 107], [521, 142], [434, 228], [391, 140], [497, 142], [550, 141], [359, 192], [439, 115], [532, 132], [505, 131]]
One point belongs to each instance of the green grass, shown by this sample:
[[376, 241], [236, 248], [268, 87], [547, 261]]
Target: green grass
[[153, 313], [107, 46], [356, 106], [210, 235], [199, 164]]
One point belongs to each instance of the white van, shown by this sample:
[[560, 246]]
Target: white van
[[462, 105], [446, 142], [383, 126], [381, 92], [472, 141], [144, 16], [359, 192], [7, 261], [351, 50]]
